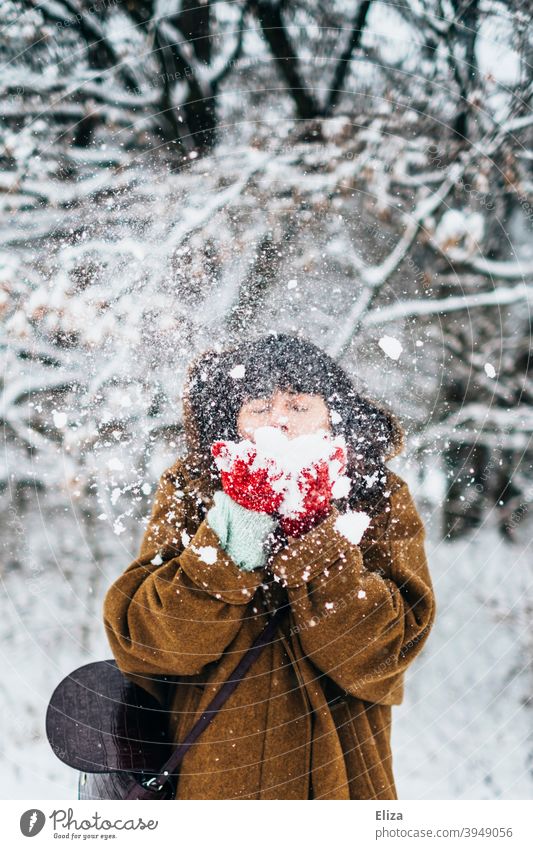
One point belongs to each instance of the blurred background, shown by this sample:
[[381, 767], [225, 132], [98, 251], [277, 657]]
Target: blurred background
[[179, 175]]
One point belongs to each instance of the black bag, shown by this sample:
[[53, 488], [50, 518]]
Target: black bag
[[115, 733]]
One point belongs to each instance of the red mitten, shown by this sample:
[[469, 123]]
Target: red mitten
[[248, 483], [315, 485]]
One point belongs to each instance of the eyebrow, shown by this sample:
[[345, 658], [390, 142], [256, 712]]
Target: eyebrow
[[269, 397]]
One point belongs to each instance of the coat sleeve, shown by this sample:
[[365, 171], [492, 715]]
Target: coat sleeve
[[181, 602], [362, 626]]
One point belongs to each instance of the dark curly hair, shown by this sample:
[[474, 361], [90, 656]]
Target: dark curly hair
[[216, 389]]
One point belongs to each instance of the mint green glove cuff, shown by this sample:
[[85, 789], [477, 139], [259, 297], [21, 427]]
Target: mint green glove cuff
[[242, 533]]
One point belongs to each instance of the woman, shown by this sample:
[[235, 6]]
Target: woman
[[311, 719]]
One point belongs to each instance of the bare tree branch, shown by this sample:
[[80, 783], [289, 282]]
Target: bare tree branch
[[285, 55], [341, 69], [100, 51]]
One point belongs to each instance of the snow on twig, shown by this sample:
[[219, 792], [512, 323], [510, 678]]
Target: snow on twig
[[404, 309]]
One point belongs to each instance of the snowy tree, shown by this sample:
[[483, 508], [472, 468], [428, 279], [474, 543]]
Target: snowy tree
[[402, 225]]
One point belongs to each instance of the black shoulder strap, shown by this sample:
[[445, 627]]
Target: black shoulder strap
[[153, 786]]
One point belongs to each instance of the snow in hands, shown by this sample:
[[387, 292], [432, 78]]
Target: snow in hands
[[288, 463]]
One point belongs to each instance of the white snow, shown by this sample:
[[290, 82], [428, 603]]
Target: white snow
[[207, 553], [352, 525], [341, 487], [157, 560], [116, 346], [459, 233], [118, 527], [115, 464], [60, 419], [238, 372], [371, 479], [390, 346], [185, 538]]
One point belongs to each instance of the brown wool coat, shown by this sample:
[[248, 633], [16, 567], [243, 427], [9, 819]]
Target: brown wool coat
[[311, 719]]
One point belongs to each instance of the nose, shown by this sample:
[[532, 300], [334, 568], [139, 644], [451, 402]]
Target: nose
[[279, 418]]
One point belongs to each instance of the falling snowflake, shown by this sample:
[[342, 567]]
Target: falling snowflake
[[60, 419], [390, 346], [118, 527], [238, 372], [352, 525]]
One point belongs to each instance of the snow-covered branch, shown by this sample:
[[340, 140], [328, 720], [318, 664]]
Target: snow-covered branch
[[373, 278], [441, 306]]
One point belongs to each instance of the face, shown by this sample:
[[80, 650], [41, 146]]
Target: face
[[295, 414]]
